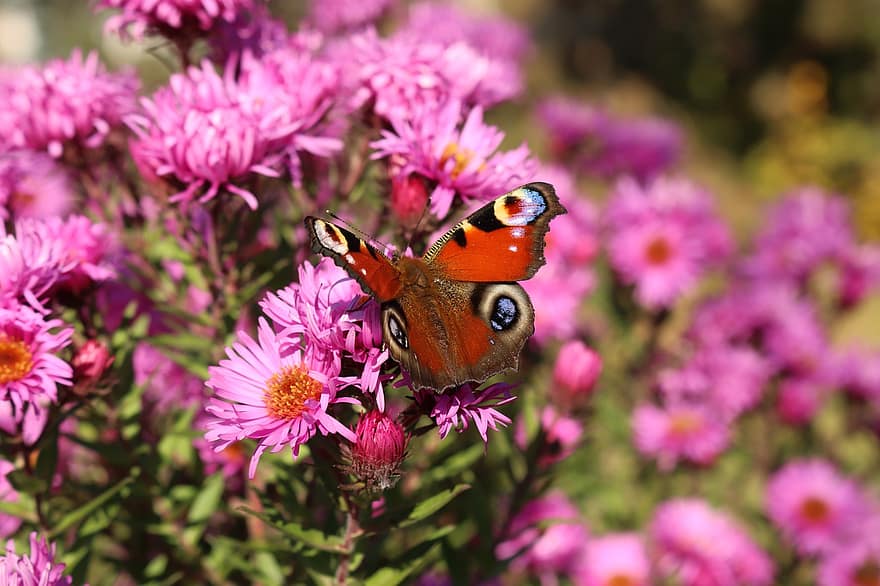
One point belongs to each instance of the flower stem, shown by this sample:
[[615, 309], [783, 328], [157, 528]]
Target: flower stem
[[352, 531]]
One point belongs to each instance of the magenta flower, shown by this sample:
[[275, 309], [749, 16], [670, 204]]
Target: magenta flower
[[815, 507], [806, 228], [619, 559], [705, 547], [545, 538], [90, 251], [30, 370], [9, 524], [569, 123], [693, 432], [798, 400], [856, 563], [230, 461], [74, 102], [167, 385], [170, 17], [32, 261], [336, 16], [458, 409], [575, 373], [859, 267], [458, 161], [561, 436], [327, 313], [38, 567], [208, 132], [34, 185], [376, 457], [558, 292], [663, 238], [279, 399]]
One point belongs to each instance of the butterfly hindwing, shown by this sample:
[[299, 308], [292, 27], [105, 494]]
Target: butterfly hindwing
[[502, 241], [373, 270]]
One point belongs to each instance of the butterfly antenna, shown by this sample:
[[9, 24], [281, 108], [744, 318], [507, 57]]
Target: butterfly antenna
[[415, 229], [359, 233]]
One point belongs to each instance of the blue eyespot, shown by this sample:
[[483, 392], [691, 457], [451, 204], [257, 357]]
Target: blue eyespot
[[504, 314]]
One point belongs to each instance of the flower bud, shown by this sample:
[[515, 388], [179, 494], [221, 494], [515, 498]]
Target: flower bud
[[89, 363], [575, 374], [381, 447], [409, 196]]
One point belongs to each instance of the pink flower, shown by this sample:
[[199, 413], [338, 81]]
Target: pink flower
[[705, 547], [557, 293], [663, 238], [38, 567], [619, 559], [31, 262], [806, 228], [859, 268], [90, 362], [30, 370], [693, 432], [335, 16], [376, 457], [814, 506], [856, 563], [167, 385], [546, 537], [230, 461], [170, 17], [33, 184], [465, 405], [9, 524], [798, 400], [569, 123], [575, 373], [90, 251], [208, 132], [327, 313], [74, 102], [278, 399], [409, 198], [459, 161]]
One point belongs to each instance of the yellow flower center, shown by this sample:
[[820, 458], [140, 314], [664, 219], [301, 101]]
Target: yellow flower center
[[684, 424], [815, 510], [658, 251], [288, 390], [867, 575], [462, 158], [16, 359], [620, 580]]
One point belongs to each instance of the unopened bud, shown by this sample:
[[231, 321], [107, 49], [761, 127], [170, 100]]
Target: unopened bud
[[380, 449], [409, 196], [90, 363], [575, 374]]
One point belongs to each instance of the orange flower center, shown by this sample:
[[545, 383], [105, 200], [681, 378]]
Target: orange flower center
[[233, 452], [16, 359], [462, 158], [815, 510], [867, 575], [620, 580], [683, 424], [658, 251], [288, 390]]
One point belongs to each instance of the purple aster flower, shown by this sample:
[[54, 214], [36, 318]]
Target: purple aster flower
[[337, 16], [30, 370], [256, 32], [706, 547], [558, 292], [170, 18], [33, 185], [545, 538], [798, 400], [458, 409], [693, 432], [806, 228], [560, 433], [167, 385], [618, 559], [9, 524], [663, 238], [90, 250], [209, 132], [38, 567], [279, 399], [575, 374], [74, 102], [568, 122], [460, 161], [230, 461], [859, 268], [402, 74], [814, 506], [857, 563], [327, 312]]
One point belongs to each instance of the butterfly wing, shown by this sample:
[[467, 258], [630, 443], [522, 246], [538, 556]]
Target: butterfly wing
[[373, 270], [502, 241]]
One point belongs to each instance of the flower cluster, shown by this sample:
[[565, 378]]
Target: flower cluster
[[171, 18], [37, 567]]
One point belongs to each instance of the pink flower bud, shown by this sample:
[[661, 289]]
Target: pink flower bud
[[409, 196], [575, 374], [798, 401], [379, 451], [90, 362]]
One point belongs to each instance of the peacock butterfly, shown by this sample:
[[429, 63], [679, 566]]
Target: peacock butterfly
[[456, 314]]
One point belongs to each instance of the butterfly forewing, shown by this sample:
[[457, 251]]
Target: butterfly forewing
[[502, 241]]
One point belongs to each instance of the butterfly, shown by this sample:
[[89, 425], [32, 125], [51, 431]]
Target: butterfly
[[456, 314]]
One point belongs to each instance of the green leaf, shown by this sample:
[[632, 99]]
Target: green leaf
[[269, 568], [19, 509], [312, 538], [204, 505], [24, 482], [90, 508], [428, 507], [391, 576], [453, 466], [47, 460]]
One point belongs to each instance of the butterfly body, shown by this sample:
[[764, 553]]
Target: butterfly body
[[456, 314]]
